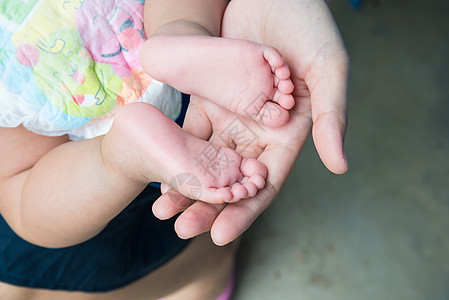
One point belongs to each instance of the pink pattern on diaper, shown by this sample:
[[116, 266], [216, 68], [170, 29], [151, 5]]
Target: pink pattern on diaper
[[27, 55], [113, 32]]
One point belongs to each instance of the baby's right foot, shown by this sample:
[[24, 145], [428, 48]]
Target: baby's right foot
[[245, 77], [194, 167]]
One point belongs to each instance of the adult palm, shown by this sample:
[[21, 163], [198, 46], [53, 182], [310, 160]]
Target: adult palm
[[305, 33]]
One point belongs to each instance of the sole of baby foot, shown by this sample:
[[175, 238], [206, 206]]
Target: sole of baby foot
[[194, 167], [239, 75], [222, 176]]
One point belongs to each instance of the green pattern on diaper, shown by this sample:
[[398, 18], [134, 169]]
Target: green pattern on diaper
[[66, 71], [16, 11]]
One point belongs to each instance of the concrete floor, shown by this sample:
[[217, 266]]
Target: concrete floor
[[382, 230]]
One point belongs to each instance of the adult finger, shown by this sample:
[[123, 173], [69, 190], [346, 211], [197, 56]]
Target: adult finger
[[327, 81], [237, 217], [169, 204], [197, 219]]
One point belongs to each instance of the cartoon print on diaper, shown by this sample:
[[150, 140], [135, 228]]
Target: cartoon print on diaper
[[16, 75], [69, 78], [72, 60], [113, 32], [50, 48], [64, 62]]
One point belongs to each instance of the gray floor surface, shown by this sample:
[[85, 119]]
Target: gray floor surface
[[381, 231]]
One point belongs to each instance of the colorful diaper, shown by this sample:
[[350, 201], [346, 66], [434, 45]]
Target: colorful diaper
[[66, 66]]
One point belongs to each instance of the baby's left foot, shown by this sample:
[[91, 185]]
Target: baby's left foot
[[244, 77]]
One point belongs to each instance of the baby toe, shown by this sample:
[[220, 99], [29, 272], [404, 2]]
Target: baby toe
[[238, 192], [273, 57], [282, 72], [272, 115], [286, 101], [251, 167], [285, 86], [251, 189], [258, 181]]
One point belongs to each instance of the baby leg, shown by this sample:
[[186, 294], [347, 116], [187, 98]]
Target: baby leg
[[245, 77], [194, 167]]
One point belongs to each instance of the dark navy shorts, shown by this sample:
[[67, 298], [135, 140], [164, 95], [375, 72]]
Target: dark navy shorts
[[131, 246]]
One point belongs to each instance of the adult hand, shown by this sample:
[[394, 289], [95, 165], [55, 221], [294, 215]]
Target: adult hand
[[277, 148], [305, 33]]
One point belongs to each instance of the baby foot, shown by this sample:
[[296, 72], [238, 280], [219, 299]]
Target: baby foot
[[195, 168], [244, 77]]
